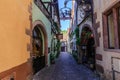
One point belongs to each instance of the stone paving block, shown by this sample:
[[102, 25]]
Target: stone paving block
[[65, 68]]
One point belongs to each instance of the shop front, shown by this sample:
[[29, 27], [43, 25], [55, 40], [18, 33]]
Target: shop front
[[87, 46]]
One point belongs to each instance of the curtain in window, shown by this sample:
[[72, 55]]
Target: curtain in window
[[111, 31]]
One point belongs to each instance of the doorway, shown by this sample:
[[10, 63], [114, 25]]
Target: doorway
[[38, 53], [88, 47], [63, 46]]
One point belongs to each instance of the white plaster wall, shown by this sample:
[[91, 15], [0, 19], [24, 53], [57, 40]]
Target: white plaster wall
[[100, 6], [87, 22]]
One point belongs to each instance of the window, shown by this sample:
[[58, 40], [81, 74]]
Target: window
[[110, 25], [119, 25]]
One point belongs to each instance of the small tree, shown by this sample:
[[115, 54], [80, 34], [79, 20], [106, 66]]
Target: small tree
[[77, 36]]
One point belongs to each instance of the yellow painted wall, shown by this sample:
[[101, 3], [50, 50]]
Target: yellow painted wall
[[14, 20], [100, 6]]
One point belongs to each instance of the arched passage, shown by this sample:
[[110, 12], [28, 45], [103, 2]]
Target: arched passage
[[88, 46], [39, 46]]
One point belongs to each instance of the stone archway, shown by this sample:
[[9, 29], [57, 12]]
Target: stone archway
[[92, 30], [88, 42], [39, 46]]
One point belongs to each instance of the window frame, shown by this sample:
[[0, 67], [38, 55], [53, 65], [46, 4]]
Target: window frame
[[110, 13], [118, 21], [114, 10]]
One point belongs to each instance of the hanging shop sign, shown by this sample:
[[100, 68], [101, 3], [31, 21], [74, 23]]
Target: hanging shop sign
[[59, 36]]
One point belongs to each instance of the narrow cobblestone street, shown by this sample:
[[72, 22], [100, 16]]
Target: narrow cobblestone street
[[65, 68]]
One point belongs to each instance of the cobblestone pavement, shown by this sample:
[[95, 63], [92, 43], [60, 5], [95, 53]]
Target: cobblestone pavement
[[65, 68]]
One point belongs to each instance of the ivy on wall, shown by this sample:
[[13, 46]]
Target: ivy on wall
[[85, 35], [77, 36], [56, 26]]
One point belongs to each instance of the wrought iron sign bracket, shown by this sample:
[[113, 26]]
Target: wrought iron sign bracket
[[65, 13]]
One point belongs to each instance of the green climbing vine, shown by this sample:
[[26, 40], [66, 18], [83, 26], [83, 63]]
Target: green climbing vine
[[58, 46], [77, 36]]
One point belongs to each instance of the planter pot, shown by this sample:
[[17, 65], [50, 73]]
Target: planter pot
[[52, 61]]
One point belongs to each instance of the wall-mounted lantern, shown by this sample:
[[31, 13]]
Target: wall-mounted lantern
[[65, 13]]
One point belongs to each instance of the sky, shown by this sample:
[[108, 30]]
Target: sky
[[64, 23]]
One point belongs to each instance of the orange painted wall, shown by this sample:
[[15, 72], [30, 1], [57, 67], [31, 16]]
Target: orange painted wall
[[14, 20]]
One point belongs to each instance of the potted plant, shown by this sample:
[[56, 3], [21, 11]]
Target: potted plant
[[52, 58]]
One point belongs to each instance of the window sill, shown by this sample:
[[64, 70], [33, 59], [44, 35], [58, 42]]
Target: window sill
[[112, 50]]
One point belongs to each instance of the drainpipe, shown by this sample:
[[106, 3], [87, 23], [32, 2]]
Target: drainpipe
[[112, 66]]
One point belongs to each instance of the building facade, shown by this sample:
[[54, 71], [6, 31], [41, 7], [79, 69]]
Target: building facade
[[15, 50], [82, 28], [102, 23], [28, 30], [46, 18], [106, 21], [87, 35], [64, 41], [73, 25], [68, 40]]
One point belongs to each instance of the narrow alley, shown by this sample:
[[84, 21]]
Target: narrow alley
[[65, 68], [60, 39]]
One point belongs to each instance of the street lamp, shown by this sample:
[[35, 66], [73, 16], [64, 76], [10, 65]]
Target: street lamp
[[86, 4], [65, 13]]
